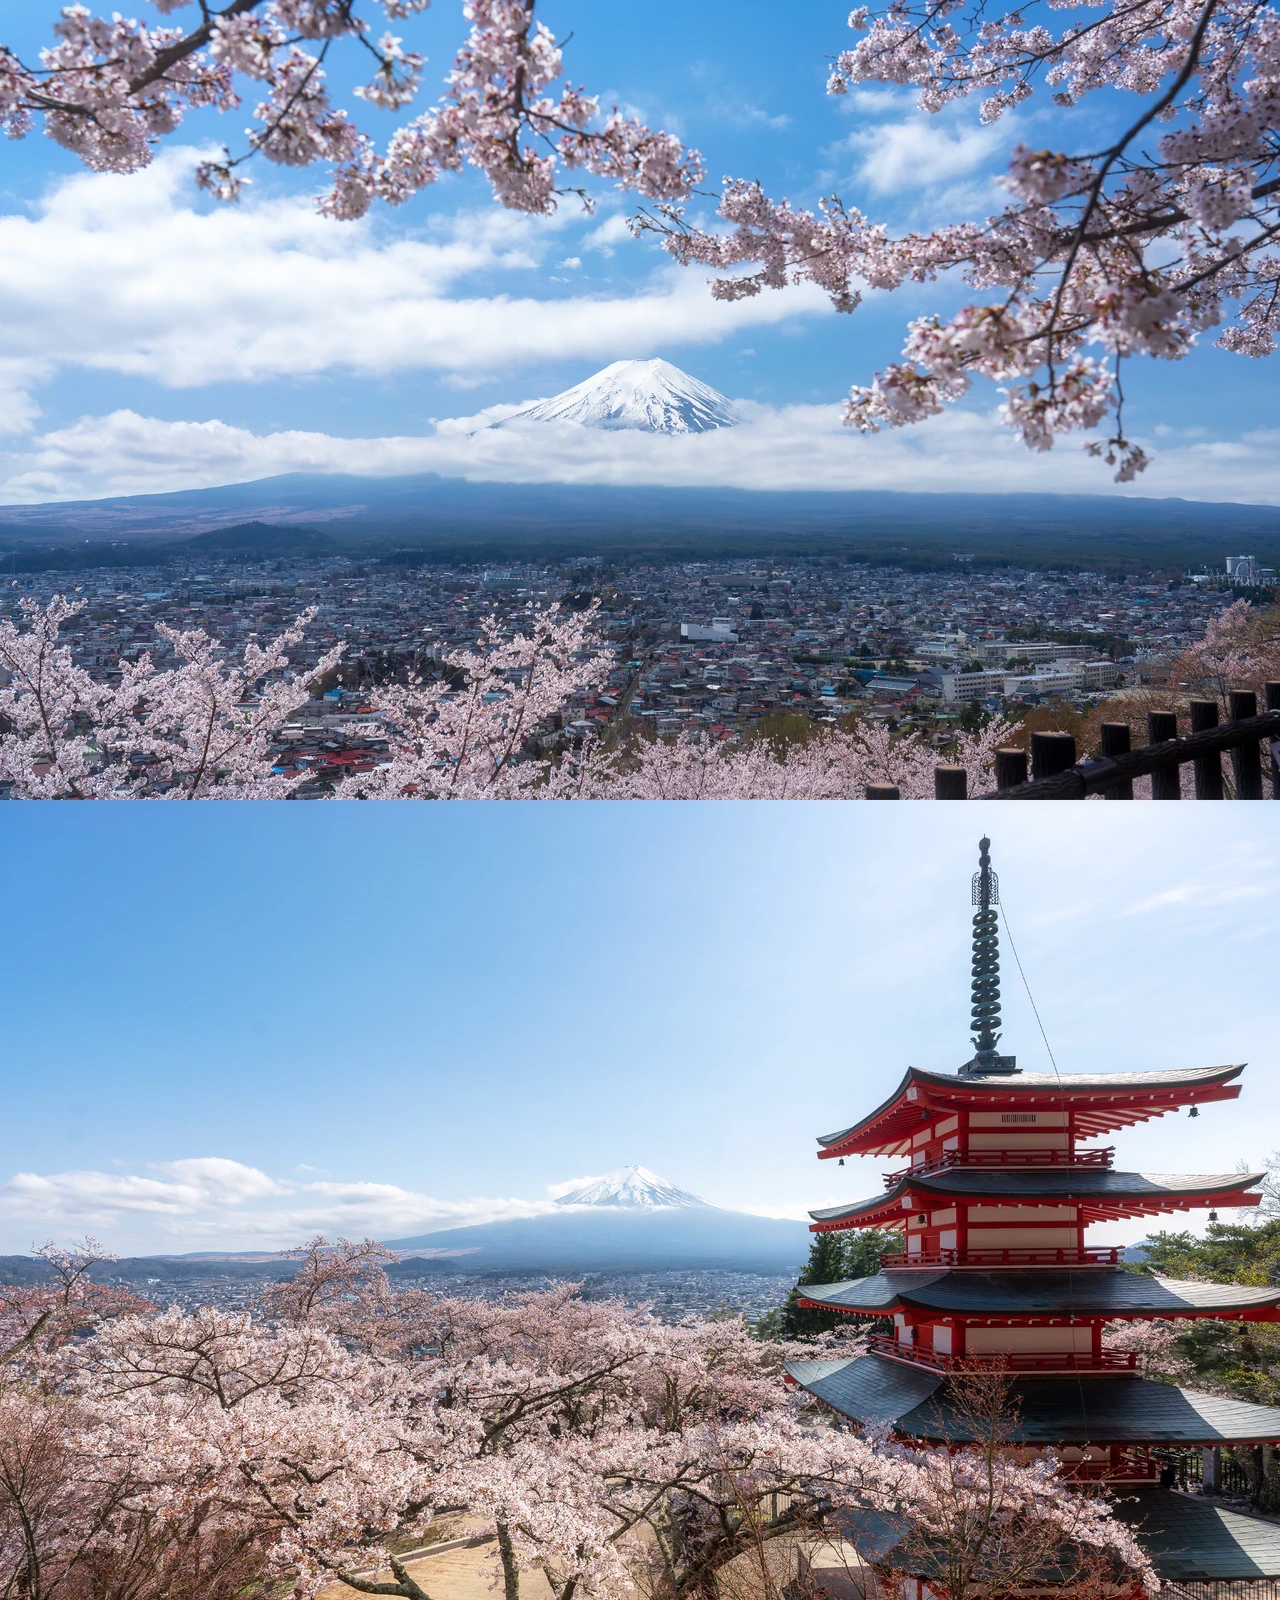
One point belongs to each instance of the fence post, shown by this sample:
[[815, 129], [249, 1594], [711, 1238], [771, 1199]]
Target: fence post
[[1011, 765], [1246, 759], [1204, 715], [1051, 753], [952, 783], [1115, 742], [883, 791], [1162, 727], [1273, 704]]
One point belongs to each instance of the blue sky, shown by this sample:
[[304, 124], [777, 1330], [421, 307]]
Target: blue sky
[[157, 341], [230, 1025]]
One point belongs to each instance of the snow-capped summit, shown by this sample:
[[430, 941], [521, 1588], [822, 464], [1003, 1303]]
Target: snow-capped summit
[[652, 396], [631, 1186]]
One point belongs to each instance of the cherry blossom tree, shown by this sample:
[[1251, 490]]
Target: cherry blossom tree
[[42, 1316], [1160, 229], [243, 1452], [110, 90], [1158, 1346], [1157, 231], [1240, 649], [977, 1520], [462, 736], [202, 727], [483, 728], [835, 765]]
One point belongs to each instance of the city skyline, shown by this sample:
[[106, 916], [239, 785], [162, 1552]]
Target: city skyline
[[613, 1005]]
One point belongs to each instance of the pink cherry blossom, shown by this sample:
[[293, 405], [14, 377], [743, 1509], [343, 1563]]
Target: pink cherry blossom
[[160, 1454], [111, 90]]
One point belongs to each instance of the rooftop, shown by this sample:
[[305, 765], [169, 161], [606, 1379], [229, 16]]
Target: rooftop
[[1074, 1410]]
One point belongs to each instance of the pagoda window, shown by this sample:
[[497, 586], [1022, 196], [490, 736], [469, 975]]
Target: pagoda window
[[948, 1240], [944, 1128], [942, 1339], [943, 1219]]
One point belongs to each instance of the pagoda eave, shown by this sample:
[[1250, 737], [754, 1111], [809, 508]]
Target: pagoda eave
[[1118, 1410], [1098, 1104], [1100, 1195], [1042, 1298]]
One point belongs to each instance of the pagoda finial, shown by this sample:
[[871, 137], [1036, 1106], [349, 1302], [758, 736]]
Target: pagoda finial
[[985, 1014]]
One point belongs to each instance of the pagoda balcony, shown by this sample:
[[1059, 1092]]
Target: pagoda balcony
[[993, 1260], [1040, 1361], [1004, 1159], [1134, 1466]]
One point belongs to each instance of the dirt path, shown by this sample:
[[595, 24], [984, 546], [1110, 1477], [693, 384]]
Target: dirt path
[[465, 1572]]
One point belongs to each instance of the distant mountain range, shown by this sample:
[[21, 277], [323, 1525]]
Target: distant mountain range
[[643, 396], [628, 1220], [424, 518]]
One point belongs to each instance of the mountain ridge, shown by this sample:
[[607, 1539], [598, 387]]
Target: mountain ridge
[[425, 517]]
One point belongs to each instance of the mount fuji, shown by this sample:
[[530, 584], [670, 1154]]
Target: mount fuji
[[648, 396], [629, 1186], [628, 1220]]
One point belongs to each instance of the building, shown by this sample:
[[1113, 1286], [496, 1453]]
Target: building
[[721, 631], [958, 688], [1059, 678], [999, 1174], [1243, 571], [1031, 651]]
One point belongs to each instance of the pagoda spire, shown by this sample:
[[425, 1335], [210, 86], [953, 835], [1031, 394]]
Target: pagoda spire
[[985, 987]]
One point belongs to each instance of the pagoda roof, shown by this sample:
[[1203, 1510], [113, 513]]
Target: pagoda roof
[[1101, 1102], [1194, 1540], [1189, 1539], [1102, 1195], [1090, 1410], [1043, 1294]]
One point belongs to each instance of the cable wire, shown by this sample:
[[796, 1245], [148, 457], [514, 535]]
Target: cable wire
[[1062, 1106]]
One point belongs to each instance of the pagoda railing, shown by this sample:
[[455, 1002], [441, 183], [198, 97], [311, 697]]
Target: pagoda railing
[[1056, 1256], [1251, 737], [1003, 1158], [1015, 1361], [1134, 1466]]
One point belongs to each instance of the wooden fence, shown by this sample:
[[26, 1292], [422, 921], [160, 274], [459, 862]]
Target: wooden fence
[[1050, 769]]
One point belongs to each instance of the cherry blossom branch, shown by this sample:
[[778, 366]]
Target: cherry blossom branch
[[112, 90]]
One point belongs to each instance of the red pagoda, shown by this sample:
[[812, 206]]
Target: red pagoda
[[997, 1175]]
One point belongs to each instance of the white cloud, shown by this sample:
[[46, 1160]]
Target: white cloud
[[611, 232], [555, 1190], [209, 1200], [921, 152], [794, 447], [126, 275]]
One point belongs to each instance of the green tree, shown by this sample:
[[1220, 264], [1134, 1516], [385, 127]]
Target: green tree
[[1241, 1359], [974, 717], [833, 1258]]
